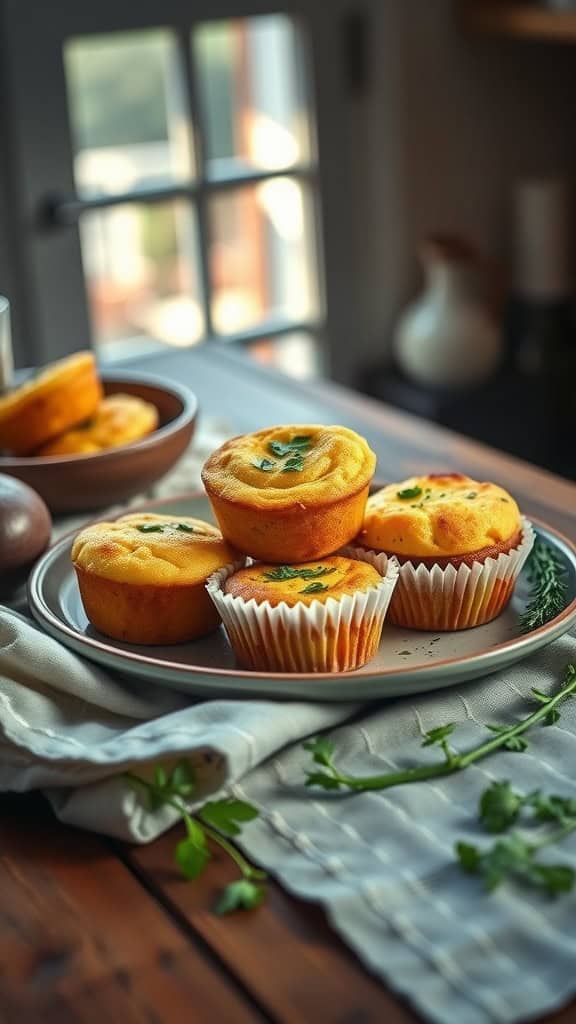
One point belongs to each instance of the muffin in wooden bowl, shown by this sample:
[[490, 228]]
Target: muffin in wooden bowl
[[142, 578], [64, 394], [290, 493], [461, 545], [323, 616], [119, 419]]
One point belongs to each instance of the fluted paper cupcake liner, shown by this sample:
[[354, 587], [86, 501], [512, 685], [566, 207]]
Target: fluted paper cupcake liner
[[431, 598], [335, 635]]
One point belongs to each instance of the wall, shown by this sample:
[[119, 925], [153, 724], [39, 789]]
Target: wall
[[451, 122]]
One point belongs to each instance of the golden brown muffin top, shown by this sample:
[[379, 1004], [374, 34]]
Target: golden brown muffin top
[[59, 373], [290, 465], [439, 515], [118, 420], [303, 582], [145, 548]]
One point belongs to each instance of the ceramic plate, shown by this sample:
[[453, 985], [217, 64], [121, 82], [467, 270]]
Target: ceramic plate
[[407, 662]]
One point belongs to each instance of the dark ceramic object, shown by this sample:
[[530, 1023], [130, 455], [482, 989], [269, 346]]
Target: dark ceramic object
[[82, 483], [25, 525]]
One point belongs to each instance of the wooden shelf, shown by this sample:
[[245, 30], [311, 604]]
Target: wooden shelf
[[520, 21]]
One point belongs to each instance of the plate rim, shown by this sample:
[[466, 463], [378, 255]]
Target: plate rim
[[43, 614]]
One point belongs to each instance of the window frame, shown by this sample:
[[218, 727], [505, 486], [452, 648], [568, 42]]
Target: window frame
[[51, 315]]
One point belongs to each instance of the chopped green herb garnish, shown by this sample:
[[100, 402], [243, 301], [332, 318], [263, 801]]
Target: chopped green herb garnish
[[295, 464], [409, 492], [287, 572], [160, 527], [314, 588], [266, 465], [505, 500], [300, 443], [472, 494]]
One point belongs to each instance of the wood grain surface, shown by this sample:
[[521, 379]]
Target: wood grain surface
[[93, 932]]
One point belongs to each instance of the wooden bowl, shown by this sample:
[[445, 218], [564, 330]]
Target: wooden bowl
[[82, 483]]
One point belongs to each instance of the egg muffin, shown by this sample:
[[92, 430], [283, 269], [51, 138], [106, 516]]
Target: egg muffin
[[119, 419], [321, 616], [64, 394], [290, 493], [461, 545], [142, 578]]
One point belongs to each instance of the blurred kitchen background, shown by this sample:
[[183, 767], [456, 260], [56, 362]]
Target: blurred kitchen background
[[383, 192]]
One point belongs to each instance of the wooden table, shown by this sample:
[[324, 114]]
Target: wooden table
[[94, 932]]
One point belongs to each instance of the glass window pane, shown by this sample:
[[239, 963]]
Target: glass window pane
[[262, 258], [127, 111], [297, 354], [140, 269], [252, 92]]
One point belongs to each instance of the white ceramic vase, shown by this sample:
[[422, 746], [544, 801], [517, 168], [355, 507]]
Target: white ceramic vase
[[447, 337]]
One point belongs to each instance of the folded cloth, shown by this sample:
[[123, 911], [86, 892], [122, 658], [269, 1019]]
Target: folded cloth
[[381, 863]]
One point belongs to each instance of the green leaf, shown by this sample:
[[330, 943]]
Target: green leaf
[[552, 808], [266, 465], [322, 780], [322, 750], [516, 744], [468, 856], [314, 588], [240, 895], [156, 799], [499, 806], [298, 444], [542, 698], [437, 735], [225, 815], [191, 857], [160, 777], [409, 492], [295, 464], [288, 572], [150, 528], [555, 878], [552, 717], [185, 528], [182, 779]]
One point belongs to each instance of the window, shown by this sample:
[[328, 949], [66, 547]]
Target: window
[[176, 178]]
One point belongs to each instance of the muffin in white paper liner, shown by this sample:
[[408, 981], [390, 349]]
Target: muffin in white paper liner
[[335, 635], [432, 598]]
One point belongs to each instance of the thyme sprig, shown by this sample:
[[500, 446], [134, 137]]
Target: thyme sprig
[[218, 820], [549, 587], [504, 738]]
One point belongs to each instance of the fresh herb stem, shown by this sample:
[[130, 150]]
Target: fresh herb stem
[[332, 778], [514, 857], [549, 587], [246, 869], [215, 820]]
